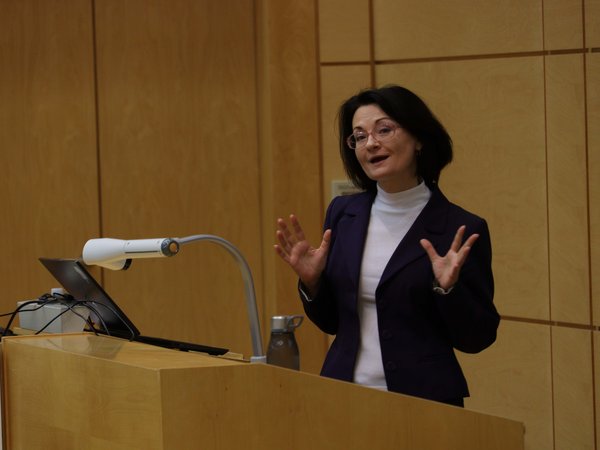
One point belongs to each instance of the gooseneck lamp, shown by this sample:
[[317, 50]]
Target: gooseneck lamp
[[116, 254]]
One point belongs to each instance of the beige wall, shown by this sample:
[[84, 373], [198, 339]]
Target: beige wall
[[176, 117], [517, 85], [151, 118]]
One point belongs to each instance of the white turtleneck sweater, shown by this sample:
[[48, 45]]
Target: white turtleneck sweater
[[392, 215]]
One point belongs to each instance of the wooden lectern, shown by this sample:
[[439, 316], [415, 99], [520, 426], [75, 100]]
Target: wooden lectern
[[80, 391]]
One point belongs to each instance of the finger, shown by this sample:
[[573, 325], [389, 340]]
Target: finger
[[461, 257], [281, 253], [284, 229], [471, 240], [284, 244], [326, 240], [456, 243], [281, 224], [466, 249], [297, 227], [428, 247]]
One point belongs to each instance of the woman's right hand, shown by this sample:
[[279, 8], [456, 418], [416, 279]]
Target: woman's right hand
[[308, 262]]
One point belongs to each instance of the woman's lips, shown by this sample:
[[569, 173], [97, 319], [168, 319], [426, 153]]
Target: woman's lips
[[378, 159]]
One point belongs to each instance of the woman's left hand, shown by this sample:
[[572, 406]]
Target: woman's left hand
[[447, 268]]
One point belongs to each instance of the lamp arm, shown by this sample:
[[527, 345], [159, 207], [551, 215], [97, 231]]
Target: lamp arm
[[257, 346]]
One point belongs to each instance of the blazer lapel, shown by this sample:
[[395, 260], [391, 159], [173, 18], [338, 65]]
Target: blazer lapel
[[352, 232], [430, 224]]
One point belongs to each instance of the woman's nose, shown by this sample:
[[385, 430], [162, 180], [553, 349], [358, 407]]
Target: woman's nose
[[371, 141]]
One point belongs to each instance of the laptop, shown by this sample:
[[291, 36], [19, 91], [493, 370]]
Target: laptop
[[109, 318]]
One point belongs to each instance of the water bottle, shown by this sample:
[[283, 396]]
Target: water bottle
[[283, 349]]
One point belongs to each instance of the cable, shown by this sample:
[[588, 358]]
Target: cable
[[44, 300], [52, 320], [16, 311], [95, 311], [70, 302], [117, 315], [33, 309], [70, 307]]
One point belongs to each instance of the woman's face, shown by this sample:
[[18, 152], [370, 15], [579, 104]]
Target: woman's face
[[392, 160]]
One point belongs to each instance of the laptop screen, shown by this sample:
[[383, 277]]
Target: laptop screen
[[74, 277]]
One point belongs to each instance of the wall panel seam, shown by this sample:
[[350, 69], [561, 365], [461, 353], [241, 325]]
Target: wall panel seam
[[548, 244], [372, 62], [319, 112], [97, 125], [262, 306], [589, 226], [571, 51], [554, 323], [345, 63]]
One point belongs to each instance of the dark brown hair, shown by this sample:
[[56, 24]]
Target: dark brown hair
[[414, 116]]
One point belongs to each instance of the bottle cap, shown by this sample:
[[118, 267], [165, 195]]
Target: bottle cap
[[285, 323]]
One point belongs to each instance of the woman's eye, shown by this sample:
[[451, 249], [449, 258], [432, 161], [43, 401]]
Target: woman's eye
[[383, 131], [359, 137]]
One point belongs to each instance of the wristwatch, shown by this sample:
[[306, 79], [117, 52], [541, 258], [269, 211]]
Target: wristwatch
[[440, 290]]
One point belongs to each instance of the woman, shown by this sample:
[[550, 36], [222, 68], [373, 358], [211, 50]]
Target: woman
[[394, 277]]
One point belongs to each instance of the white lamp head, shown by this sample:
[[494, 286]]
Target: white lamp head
[[116, 254]]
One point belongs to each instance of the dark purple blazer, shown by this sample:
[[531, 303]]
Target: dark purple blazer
[[418, 329]]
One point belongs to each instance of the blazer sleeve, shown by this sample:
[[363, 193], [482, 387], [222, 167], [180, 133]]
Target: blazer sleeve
[[468, 310], [322, 308]]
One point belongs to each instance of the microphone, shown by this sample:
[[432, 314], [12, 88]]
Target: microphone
[[116, 254]]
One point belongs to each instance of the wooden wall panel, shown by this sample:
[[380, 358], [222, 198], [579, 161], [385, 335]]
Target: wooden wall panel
[[177, 125], [507, 79], [592, 24], [170, 73], [291, 173], [563, 24], [344, 30], [47, 140], [338, 84], [593, 135], [421, 29], [513, 379], [596, 344], [567, 202], [498, 170], [572, 384]]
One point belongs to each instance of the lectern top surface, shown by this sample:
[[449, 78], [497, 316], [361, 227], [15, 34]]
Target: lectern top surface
[[119, 350]]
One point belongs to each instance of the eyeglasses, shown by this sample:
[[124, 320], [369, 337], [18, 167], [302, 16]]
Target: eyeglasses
[[382, 132]]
